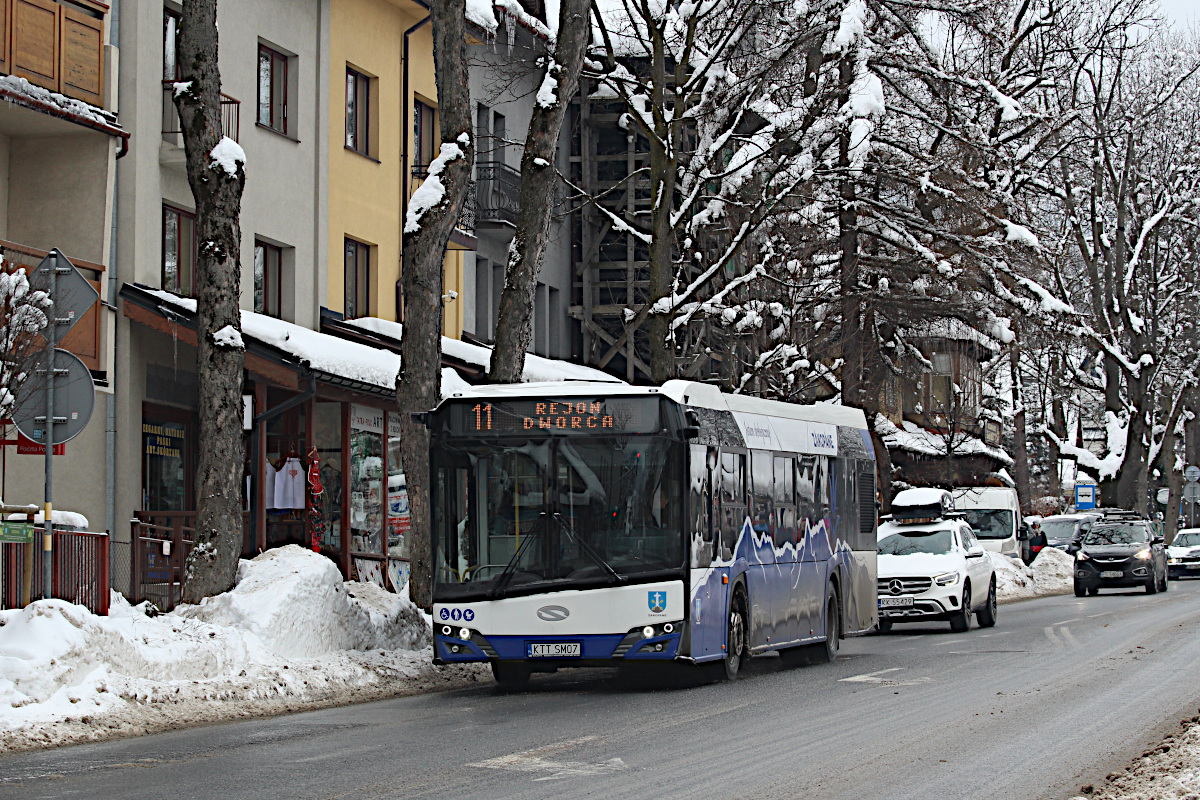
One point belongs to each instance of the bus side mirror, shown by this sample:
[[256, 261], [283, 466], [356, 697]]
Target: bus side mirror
[[692, 429]]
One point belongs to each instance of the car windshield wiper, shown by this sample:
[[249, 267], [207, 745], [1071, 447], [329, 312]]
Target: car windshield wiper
[[505, 577], [587, 548]]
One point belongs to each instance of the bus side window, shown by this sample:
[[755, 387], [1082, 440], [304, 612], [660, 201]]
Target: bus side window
[[806, 500], [762, 471], [784, 497], [733, 501], [699, 497]]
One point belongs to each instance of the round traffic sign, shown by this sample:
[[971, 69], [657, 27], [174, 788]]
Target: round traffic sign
[[1192, 473], [74, 395]]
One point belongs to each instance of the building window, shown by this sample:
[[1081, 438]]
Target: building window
[[170, 45], [268, 279], [424, 134], [272, 89], [178, 250], [358, 112], [358, 279]]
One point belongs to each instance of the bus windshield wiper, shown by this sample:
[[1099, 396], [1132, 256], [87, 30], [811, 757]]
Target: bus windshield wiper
[[587, 548], [505, 577]]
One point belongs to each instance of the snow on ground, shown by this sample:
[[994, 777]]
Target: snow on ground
[[1050, 573], [290, 635], [1169, 771]]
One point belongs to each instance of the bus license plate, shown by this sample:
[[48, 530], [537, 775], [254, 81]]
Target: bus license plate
[[895, 602], [553, 649], [1112, 573]]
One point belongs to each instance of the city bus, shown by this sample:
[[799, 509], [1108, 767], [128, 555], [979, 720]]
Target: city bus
[[602, 524]]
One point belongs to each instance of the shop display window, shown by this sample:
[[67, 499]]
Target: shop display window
[[398, 519], [328, 434], [366, 480]]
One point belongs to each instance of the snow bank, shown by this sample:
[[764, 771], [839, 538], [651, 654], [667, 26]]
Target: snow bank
[[1049, 574], [291, 634], [1168, 771]]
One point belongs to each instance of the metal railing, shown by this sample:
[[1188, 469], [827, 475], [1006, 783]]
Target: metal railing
[[468, 216], [499, 192], [172, 130], [78, 570], [161, 541]]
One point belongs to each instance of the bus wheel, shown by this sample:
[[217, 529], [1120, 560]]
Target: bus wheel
[[833, 628], [511, 675], [736, 635]]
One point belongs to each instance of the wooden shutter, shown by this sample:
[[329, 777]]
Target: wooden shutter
[[82, 56], [5, 66], [84, 338], [35, 42]]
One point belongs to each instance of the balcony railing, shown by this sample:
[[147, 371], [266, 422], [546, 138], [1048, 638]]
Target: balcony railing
[[499, 193], [172, 130], [467, 216]]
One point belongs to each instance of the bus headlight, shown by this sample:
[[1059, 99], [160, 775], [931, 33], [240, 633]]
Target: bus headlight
[[949, 579], [648, 631], [464, 633]]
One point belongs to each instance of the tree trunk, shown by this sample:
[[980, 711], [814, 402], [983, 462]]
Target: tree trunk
[[1020, 446], [216, 173], [514, 325], [663, 174], [851, 344], [427, 228], [1166, 465]]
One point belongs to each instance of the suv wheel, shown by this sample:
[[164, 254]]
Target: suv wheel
[[962, 620], [987, 615], [1080, 589]]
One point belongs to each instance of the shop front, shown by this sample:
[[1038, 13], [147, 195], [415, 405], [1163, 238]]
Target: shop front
[[322, 466]]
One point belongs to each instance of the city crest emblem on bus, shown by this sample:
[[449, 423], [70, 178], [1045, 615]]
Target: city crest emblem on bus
[[658, 602]]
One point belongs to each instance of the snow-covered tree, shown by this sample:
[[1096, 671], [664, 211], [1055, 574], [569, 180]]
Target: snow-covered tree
[[23, 314]]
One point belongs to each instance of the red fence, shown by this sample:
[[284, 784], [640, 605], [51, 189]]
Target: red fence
[[78, 570], [161, 543]]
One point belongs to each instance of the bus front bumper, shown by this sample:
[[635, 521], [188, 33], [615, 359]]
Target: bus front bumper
[[584, 650]]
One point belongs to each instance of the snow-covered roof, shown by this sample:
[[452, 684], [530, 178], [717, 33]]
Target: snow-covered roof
[[922, 497], [915, 439], [954, 329]]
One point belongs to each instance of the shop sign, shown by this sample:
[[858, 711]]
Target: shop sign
[[16, 532], [28, 447], [394, 425], [163, 440], [363, 418]]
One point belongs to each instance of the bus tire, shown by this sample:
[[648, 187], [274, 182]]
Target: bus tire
[[833, 628], [511, 675], [735, 635]]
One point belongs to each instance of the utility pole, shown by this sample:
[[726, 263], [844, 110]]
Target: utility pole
[[48, 511]]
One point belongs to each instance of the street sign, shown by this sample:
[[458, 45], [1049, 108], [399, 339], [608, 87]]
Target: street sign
[[74, 395], [1191, 492], [72, 294], [1192, 473], [1085, 496], [16, 532], [28, 447]]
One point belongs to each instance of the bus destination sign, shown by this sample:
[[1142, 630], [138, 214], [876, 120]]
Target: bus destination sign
[[566, 416]]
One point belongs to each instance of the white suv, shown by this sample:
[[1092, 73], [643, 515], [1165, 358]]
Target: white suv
[[931, 566]]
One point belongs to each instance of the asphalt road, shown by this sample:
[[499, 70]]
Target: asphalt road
[[1060, 692]]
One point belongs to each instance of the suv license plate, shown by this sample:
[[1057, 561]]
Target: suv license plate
[[1112, 574], [553, 649], [895, 602], [1193, 566]]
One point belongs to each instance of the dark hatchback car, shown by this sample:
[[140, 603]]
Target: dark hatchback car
[[1122, 554]]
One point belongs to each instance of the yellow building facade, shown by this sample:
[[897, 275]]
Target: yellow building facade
[[382, 120]]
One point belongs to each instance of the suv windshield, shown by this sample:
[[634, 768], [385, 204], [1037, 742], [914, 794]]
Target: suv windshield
[[1187, 540], [906, 543], [1116, 534], [552, 513], [990, 523], [1060, 528]]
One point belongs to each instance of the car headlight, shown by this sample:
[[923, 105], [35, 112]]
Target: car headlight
[[948, 579], [1174, 560], [1142, 554], [1081, 556]]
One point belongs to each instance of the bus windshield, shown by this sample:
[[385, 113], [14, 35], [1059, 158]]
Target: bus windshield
[[549, 514]]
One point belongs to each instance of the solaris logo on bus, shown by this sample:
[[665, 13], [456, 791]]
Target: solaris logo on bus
[[658, 602]]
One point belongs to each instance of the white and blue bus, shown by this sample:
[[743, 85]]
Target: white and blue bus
[[600, 524]]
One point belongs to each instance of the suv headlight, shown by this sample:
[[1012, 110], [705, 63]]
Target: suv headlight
[[1174, 560], [1081, 556], [1142, 554], [948, 579]]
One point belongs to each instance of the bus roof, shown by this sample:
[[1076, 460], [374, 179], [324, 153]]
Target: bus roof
[[688, 393]]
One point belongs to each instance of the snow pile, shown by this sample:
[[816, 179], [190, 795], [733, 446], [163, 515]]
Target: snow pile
[[228, 155], [1169, 771], [291, 634], [229, 336], [1049, 574]]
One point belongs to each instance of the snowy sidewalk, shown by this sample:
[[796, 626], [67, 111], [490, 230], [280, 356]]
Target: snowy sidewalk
[[290, 636]]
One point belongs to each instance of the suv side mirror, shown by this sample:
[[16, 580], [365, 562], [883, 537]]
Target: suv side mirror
[[975, 551], [1156, 540], [1073, 548]]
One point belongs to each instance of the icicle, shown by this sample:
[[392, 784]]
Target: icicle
[[510, 24]]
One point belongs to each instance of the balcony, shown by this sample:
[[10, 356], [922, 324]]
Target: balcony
[[55, 45], [172, 130], [499, 193], [467, 217]]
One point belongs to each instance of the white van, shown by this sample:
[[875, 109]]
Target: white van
[[995, 515]]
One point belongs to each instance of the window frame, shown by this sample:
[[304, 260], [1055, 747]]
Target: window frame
[[361, 279], [362, 112], [423, 138], [271, 290], [177, 18], [275, 57], [177, 287]]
